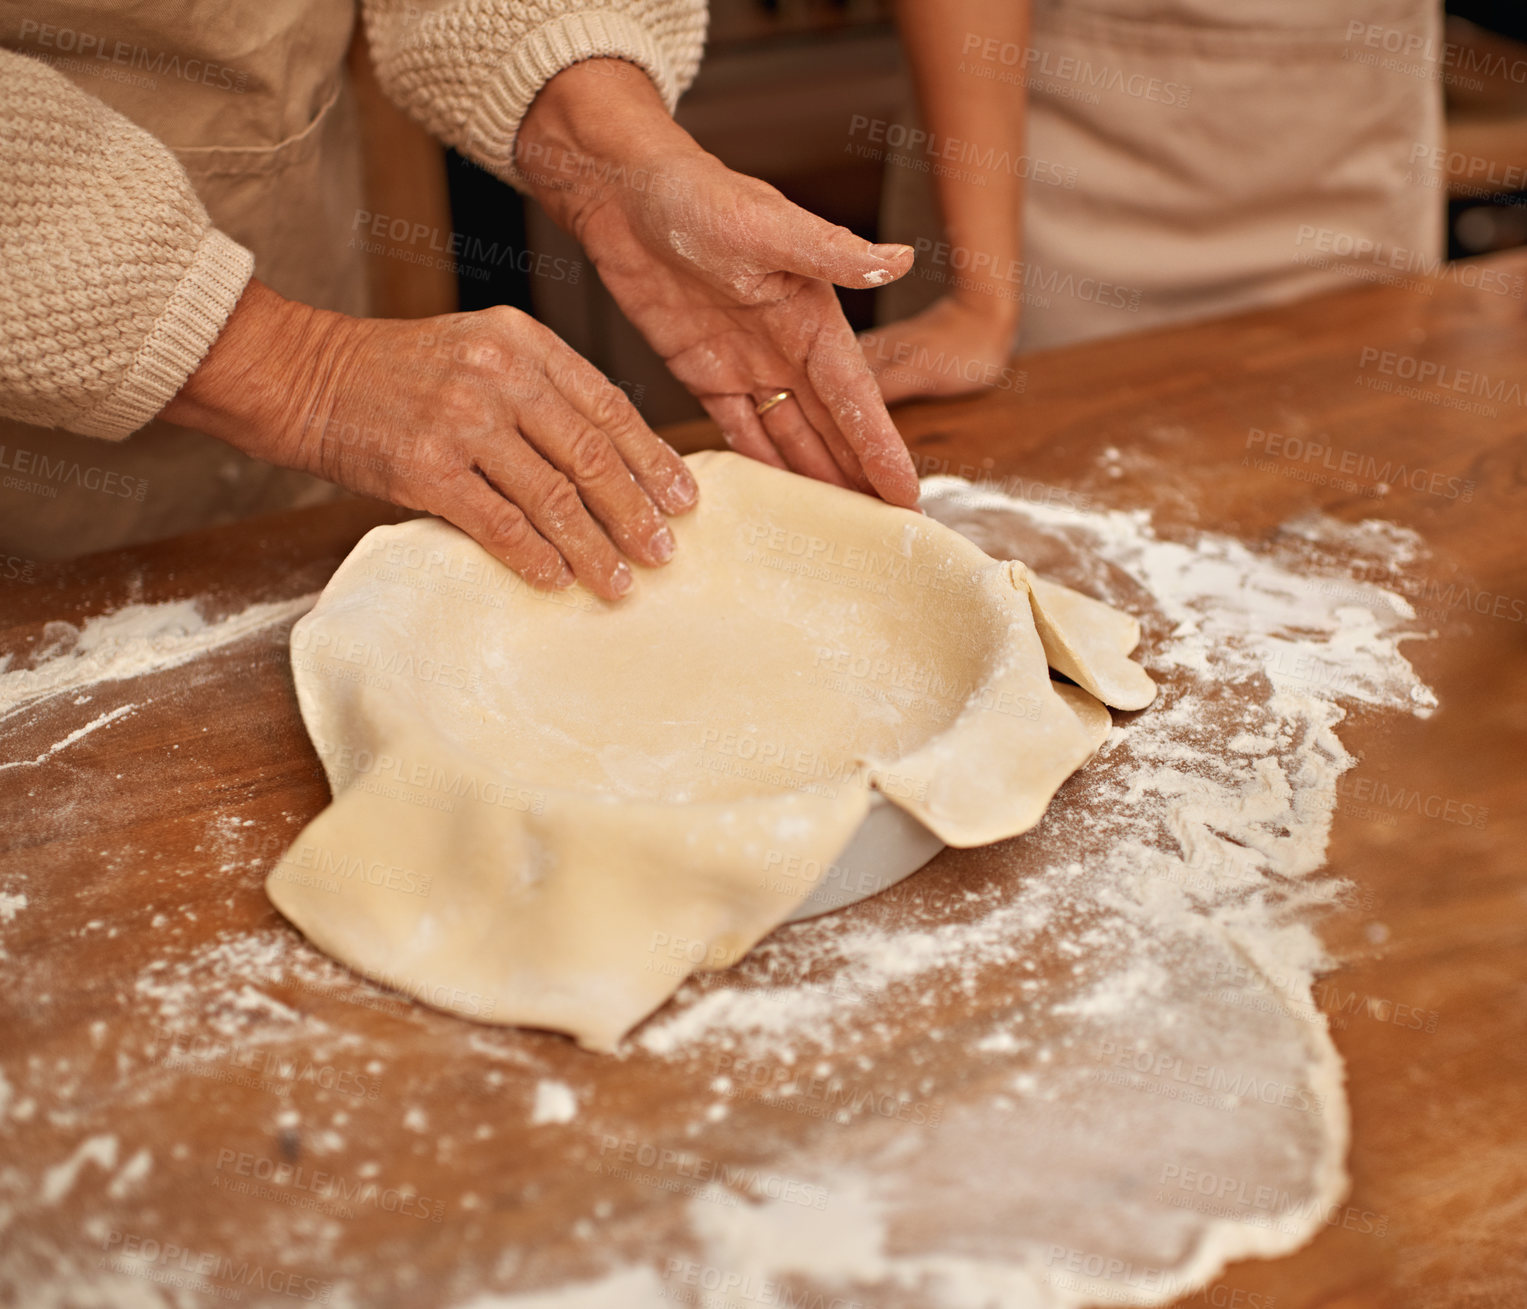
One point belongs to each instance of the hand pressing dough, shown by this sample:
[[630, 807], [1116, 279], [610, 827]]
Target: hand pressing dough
[[549, 810]]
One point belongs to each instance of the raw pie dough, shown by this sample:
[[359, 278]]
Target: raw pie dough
[[549, 810]]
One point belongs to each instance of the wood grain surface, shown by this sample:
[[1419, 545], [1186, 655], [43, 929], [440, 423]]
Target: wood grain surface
[[144, 953]]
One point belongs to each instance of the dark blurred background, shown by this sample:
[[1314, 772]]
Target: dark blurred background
[[774, 96], [1487, 127]]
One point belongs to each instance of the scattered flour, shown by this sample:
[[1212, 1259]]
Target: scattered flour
[[554, 1103], [133, 641], [130, 1174], [59, 1180], [101, 720]]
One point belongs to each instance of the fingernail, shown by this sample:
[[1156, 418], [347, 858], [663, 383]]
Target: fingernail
[[621, 580], [684, 490], [890, 253], [563, 577], [662, 545]]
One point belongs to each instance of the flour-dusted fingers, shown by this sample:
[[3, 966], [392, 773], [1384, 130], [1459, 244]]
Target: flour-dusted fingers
[[742, 428], [841, 378], [551, 502], [601, 479], [815, 412], [800, 443], [500, 526], [655, 465]]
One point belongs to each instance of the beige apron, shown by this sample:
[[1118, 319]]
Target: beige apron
[[1190, 158], [254, 98]]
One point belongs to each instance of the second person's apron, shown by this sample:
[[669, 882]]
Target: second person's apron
[[1191, 158]]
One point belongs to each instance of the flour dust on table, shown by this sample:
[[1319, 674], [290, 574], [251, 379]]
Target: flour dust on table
[[1086, 1065]]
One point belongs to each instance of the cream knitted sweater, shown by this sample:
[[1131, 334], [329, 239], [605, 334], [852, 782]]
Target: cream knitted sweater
[[114, 283]]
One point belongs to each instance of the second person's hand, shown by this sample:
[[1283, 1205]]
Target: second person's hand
[[951, 348]]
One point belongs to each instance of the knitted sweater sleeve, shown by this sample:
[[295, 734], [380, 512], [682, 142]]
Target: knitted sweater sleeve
[[467, 70], [113, 281]]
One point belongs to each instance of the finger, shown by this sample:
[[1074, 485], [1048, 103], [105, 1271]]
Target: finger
[[795, 240], [742, 428], [801, 445], [831, 412], [654, 464], [552, 504], [842, 379], [502, 529], [601, 478], [820, 417]]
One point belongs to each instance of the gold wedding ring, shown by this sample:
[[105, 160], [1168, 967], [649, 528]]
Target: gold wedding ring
[[778, 398]]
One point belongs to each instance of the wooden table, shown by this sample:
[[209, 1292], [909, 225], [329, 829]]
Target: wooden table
[[140, 847]]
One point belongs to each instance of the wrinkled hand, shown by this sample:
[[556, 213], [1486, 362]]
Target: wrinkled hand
[[487, 419], [726, 279], [950, 348]]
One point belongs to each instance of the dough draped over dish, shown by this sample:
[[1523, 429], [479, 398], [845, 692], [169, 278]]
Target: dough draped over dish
[[548, 810]]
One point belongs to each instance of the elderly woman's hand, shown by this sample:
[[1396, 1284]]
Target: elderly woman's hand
[[487, 419], [727, 279]]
